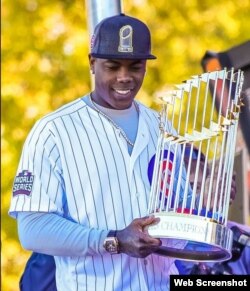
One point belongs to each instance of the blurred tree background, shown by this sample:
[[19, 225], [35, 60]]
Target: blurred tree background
[[44, 65]]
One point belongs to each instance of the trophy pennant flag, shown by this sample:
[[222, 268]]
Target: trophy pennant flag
[[191, 172]]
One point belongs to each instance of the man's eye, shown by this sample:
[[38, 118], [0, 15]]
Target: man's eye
[[112, 68], [137, 68]]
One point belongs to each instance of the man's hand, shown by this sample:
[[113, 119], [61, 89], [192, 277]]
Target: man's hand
[[233, 188], [135, 241]]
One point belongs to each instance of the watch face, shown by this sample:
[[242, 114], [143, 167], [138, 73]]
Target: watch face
[[111, 245]]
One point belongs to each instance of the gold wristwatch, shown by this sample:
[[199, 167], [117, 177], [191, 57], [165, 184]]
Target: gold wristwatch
[[111, 243]]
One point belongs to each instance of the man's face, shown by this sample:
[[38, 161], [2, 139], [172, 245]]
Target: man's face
[[117, 81]]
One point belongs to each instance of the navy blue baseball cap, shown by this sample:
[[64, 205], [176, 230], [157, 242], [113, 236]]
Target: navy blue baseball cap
[[195, 153], [121, 37]]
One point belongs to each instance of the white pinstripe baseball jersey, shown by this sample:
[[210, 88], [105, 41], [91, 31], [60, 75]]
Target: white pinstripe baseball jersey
[[76, 164]]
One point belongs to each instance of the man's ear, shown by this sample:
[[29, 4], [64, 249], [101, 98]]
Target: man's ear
[[91, 64]]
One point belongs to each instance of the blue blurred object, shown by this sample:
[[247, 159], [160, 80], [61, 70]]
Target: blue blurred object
[[39, 274]]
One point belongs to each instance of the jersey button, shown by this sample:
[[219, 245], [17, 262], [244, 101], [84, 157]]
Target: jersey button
[[137, 194]]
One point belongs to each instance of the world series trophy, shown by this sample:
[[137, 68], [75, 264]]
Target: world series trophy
[[193, 214]]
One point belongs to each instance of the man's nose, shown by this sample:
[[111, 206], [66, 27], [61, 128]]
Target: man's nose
[[124, 75]]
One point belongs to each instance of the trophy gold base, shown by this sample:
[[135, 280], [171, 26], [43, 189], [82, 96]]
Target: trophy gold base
[[191, 237]]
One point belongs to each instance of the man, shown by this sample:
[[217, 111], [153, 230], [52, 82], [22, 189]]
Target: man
[[239, 263], [81, 191]]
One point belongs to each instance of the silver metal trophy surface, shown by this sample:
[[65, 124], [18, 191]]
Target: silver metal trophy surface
[[193, 167]]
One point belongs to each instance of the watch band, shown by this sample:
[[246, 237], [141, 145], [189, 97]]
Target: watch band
[[112, 233]]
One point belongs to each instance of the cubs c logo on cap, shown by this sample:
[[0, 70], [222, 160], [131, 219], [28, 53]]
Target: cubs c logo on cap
[[166, 171], [125, 44]]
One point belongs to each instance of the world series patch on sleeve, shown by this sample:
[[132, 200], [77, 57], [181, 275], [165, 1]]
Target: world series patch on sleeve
[[209, 282], [23, 183]]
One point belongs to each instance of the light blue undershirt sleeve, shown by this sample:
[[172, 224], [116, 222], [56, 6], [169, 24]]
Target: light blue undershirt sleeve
[[51, 234]]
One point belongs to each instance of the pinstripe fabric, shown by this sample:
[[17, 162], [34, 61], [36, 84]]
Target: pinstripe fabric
[[82, 171]]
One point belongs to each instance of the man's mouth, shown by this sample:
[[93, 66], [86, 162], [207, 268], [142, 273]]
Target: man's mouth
[[122, 92]]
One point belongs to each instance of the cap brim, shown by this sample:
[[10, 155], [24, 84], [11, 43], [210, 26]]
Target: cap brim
[[124, 57]]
